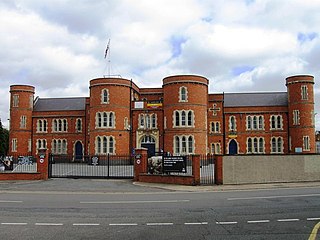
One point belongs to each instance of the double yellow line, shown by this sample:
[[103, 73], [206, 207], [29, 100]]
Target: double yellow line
[[314, 232]]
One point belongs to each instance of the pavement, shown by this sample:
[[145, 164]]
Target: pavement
[[98, 186]]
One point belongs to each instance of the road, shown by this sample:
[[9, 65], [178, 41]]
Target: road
[[131, 212]]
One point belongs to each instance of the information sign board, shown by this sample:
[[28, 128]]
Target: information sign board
[[174, 164]]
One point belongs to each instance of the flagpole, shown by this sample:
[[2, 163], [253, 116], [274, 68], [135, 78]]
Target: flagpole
[[107, 54]]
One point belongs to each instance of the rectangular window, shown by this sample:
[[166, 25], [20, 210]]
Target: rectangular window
[[29, 145], [304, 92], [14, 144], [306, 143], [23, 122], [15, 100], [296, 117]]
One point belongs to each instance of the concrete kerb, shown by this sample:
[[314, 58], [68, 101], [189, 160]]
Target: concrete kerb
[[221, 188]]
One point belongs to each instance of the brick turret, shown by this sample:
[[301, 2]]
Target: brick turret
[[21, 107], [301, 113], [185, 107], [109, 116]]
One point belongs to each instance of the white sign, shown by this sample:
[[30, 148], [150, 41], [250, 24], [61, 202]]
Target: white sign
[[139, 105], [138, 161], [41, 160]]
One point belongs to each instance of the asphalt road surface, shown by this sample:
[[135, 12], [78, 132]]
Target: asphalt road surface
[[88, 209]]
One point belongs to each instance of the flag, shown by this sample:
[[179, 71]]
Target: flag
[[107, 49]]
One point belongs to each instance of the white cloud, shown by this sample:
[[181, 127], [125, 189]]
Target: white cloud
[[58, 46]]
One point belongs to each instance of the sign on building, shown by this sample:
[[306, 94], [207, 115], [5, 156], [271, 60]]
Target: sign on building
[[174, 164]]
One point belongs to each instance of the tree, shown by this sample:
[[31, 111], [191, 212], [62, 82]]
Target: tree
[[4, 140]]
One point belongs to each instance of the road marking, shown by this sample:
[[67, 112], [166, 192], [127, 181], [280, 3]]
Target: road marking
[[271, 197], [48, 224], [8, 201], [137, 202], [288, 220], [14, 223], [314, 232], [196, 223], [226, 223], [313, 219], [123, 224], [159, 224], [259, 221], [86, 224]]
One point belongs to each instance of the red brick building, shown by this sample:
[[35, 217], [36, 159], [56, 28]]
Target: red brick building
[[180, 118]]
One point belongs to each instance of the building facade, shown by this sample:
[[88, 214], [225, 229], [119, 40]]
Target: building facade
[[180, 118]]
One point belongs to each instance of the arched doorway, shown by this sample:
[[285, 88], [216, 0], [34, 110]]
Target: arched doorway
[[150, 143], [233, 147], [78, 150]]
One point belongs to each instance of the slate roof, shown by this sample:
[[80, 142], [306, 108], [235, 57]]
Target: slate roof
[[60, 104], [255, 99]]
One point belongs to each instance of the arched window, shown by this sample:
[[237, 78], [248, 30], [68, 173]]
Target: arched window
[[105, 119], [177, 144], [98, 145], [261, 145], [190, 118], [177, 116], [249, 122], [232, 123], [111, 145], [183, 94], [260, 122], [183, 118], [255, 145], [105, 96], [279, 122], [111, 120], [184, 144], [249, 145], [255, 124], [190, 144], [104, 145]]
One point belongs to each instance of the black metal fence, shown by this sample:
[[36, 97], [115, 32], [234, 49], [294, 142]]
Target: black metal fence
[[207, 169], [93, 166], [18, 163]]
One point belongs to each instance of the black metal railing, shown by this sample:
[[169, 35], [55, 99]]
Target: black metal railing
[[91, 166]]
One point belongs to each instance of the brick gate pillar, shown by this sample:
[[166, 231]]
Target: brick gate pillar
[[43, 163], [218, 170], [140, 162], [196, 169]]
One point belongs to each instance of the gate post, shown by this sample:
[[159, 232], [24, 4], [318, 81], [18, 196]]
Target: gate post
[[196, 169], [140, 162], [218, 170], [43, 163]]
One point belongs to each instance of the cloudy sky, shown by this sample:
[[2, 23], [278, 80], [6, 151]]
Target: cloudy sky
[[239, 45]]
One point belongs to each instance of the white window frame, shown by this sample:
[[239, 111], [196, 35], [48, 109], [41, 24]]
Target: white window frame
[[232, 124], [304, 92], [23, 122], [296, 117], [181, 119], [15, 100], [182, 144], [183, 97], [14, 143], [306, 143], [274, 145], [105, 120], [105, 99], [105, 145], [276, 122], [254, 145]]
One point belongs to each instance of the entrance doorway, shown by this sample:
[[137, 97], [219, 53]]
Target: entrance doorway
[[233, 147], [150, 143], [78, 151]]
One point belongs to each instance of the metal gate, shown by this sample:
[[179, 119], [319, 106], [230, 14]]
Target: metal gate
[[102, 166], [207, 176]]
